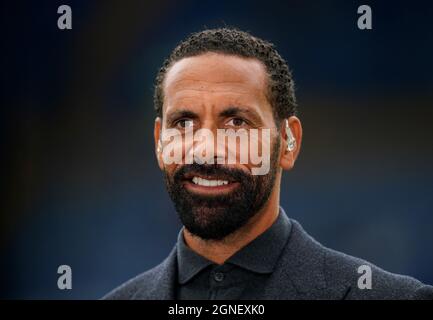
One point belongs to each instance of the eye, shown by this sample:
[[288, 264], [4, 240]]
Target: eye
[[185, 123], [236, 122]]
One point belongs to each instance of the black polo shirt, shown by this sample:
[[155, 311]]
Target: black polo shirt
[[242, 276]]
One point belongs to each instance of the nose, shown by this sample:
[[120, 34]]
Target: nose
[[205, 147]]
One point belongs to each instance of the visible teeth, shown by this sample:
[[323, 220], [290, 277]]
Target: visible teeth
[[212, 183], [209, 183]]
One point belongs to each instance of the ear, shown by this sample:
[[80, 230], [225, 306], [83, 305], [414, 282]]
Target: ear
[[288, 157], [157, 137]]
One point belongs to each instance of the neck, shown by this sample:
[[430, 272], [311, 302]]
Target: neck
[[219, 251]]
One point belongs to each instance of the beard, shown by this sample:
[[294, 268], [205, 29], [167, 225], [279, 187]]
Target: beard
[[214, 217]]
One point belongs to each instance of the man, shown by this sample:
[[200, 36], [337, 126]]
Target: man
[[237, 242]]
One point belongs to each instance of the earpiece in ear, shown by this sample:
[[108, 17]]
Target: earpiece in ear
[[291, 142], [159, 147]]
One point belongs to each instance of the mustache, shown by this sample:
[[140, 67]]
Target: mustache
[[188, 171]]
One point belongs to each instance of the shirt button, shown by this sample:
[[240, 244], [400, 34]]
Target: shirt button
[[218, 276]]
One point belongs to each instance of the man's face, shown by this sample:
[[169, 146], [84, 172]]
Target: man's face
[[215, 91]]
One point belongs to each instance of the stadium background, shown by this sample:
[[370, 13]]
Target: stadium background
[[82, 186]]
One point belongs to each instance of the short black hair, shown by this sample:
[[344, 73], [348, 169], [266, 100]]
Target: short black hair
[[280, 92]]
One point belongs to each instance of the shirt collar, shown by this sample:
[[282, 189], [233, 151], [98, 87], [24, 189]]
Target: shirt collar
[[189, 263], [260, 255]]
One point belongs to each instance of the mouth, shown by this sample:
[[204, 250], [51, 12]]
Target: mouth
[[209, 185]]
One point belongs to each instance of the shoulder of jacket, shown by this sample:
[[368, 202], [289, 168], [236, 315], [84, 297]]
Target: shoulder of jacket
[[368, 281]]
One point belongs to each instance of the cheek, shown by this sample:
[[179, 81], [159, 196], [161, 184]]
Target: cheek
[[260, 147], [170, 169]]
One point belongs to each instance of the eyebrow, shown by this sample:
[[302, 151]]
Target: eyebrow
[[178, 114], [235, 111], [226, 113]]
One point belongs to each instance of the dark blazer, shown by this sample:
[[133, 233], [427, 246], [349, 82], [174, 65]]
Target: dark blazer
[[305, 270]]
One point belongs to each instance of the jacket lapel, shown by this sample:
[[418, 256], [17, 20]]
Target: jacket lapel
[[301, 271]]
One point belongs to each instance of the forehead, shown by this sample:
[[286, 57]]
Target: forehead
[[216, 76]]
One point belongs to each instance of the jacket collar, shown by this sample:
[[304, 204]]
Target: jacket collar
[[300, 273], [303, 270]]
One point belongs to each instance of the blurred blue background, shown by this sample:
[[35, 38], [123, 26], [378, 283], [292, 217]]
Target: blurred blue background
[[82, 186]]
